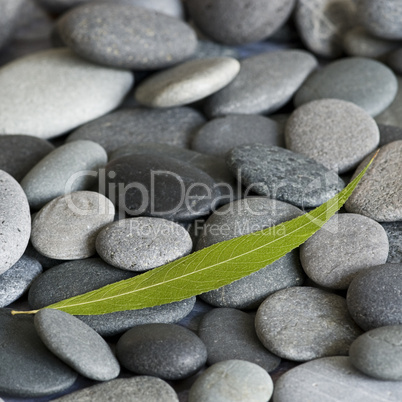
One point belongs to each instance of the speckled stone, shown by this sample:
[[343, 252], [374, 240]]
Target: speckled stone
[[88, 91], [394, 234], [343, 247], [392, 115], [265, 83], [334, 376], [379, 194], [333, 132], [305, 323], [10, 10], [230, 334], [284, 175], [389, 134], [232, 380], [133, 126], [76, 344], [220, 135], [365, 82], [374, 297], [394, 59], [129, 36]]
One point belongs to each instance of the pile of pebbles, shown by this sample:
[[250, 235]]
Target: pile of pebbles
[[135, 132]]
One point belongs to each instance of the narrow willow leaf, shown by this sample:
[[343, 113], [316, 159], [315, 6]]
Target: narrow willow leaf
[[207, 269]]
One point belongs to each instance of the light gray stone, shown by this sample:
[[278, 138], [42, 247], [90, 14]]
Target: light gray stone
[[174, 8], [392, 115]]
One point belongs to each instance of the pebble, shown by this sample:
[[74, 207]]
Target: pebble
[[70, 167], [283, 175], [66, 228], [374, 297], [133, 126], [394, 59], [389, 134], [232, 381], [28, 368], [305, 323], [76, 344], [265, 83], [140, 244], [220, 135], [392, 115], [10, 10], [167, 351], [17, 279], [346, 245], [88, 91], [230, 334], [15, 221], [379, 194], [365, 82], [394, 234], [129, 37], [186, 83], [335, 378], [243, 217], [333, 132]]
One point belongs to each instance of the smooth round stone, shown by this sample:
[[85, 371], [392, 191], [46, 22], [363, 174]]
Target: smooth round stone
[[374, 297], [322, 23], [129, 37], [239, 218], [174, 8], [365, 82], [394, 59], [15, 221], [220, 135], [167, 351], [66, 228], [389, 134], [28, 369], [188, 82], [284, 175], [339, 146], [232, 381], [17, 279], [392, 115], [70, 167], [159, 186], [133, 126], [10, 10], [235, 23], [139, 388], [20, 153], [304, 323], [265, 83], [346, 245], [378, 353], [230, 334], [140, 244], [394, 234], [379, 194], [76, 344], [334, 377], [55, 106]]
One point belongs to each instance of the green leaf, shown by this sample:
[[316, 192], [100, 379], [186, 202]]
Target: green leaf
[[207, 269]]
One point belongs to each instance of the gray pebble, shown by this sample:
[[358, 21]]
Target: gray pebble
[[305, 323], [389, 134], [265, 83], [394, 234], [10, 10], [365, 82], [394, 59], [392, 115]]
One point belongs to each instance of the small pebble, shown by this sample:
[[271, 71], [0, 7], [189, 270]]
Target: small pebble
[[394, 234]]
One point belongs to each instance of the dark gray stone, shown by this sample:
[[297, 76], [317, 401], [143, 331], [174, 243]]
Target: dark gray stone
[[283, 175], [394, 234], [394, 60], [60, 6], [389, 134], [392, 115], [46, 262], [10, 10]]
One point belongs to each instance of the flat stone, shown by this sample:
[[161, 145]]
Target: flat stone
[[232, 380], [379, 194], [186, 83], [334, 376], [374, 297], [365, 82], [220, 135], [389, 134], [392, 115], [129, 36], [76, 344], [394, 59], [394, 234], [230, 334], [133, 126], [234, 23], [15, 221], [88, 91], [10, 10], [312, 323], [283, 175], [66, 228], [70, 167], [346, 245], [265, 83], [28, 369]]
